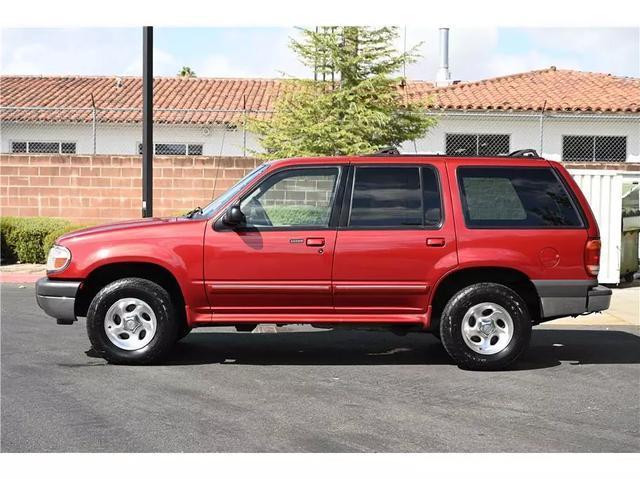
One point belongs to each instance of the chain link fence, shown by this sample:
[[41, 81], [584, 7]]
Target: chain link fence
[[87, 131], [569, 137]]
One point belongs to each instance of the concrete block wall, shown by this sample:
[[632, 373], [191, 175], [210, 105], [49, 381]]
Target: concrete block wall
[[103, 188]]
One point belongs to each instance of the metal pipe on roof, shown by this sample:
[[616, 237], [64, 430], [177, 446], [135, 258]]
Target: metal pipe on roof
[[443, 77]]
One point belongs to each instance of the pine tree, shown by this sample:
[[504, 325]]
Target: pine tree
[[187, 72], [354, 105]]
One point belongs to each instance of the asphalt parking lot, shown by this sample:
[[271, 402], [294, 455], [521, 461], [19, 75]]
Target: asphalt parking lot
[[577, 389]]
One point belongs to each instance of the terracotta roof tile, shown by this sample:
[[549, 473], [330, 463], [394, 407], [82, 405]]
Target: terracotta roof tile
[[551, 89], [112, 93], [562, 90]]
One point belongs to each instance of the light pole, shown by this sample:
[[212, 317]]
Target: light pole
[[147, 122]]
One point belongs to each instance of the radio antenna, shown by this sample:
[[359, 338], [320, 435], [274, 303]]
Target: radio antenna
[[215, 180]]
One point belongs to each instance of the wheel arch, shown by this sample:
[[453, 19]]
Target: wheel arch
[[455, 280], [105, 274]]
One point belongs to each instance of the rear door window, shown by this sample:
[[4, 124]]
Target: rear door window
[[515, 197], [431, 200], [395, 197]]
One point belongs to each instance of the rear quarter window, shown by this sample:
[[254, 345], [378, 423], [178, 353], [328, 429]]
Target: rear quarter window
[[515, 197]]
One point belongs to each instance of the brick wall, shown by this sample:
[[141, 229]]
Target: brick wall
[[101, 188]]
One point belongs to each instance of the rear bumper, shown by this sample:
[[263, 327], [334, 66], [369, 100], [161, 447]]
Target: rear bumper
[[599, 299], [57, 298], [560, 298]]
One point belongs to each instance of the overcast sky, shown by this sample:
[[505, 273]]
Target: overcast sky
[[264, 52]]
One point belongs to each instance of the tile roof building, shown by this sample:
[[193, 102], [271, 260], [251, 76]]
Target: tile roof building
[[102, 114], [550, 89]]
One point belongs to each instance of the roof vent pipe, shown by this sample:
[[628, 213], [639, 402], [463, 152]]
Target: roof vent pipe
[[443, 77]]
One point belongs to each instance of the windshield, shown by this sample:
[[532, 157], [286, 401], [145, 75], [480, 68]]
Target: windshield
[[223, 198]]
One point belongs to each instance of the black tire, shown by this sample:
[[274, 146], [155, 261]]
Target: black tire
[[158, 300], [453, 315]]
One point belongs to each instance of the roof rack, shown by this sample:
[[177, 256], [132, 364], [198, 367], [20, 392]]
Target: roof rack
[[390, 150], [393, 151], [529, 152]]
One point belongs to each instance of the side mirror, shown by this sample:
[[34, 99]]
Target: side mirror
[[234, 216]]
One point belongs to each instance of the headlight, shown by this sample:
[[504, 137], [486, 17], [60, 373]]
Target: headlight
[[59, 258]]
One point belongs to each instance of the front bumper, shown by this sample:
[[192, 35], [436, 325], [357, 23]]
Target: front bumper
[[560, 298], [57, 298]]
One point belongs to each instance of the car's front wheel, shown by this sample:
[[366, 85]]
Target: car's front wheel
[[131, 321], [485, 326]]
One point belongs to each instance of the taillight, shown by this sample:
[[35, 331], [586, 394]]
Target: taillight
[[592, 256]]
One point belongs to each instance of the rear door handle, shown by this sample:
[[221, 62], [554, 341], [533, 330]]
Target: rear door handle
[[435, 242], [315, 242]]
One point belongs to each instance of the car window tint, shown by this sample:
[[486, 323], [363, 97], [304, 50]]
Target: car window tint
[[515, 197], [492, 199], [386, 197], [431, 202]]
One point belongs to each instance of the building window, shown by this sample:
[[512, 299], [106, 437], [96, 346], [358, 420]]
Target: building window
[[476, 145], [594, 148], [175, 149], [194, 150], [67, 148], [19, 147]]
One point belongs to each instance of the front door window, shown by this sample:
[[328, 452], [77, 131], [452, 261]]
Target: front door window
[[294, 198]]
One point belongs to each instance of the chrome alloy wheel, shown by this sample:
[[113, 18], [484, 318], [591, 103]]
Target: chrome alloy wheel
[[130, 324], [487, 328]]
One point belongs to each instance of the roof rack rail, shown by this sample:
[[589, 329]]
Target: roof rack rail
[[391, 150], [526, 152]]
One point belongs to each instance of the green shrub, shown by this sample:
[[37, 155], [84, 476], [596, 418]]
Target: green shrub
[[51, 238], [28, 239], [296, 215], [7, 225]]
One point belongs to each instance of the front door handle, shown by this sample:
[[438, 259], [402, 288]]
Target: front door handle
[[315, 242], [435, 242]]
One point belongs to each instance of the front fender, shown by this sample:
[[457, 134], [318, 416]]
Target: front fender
[[175, 247]]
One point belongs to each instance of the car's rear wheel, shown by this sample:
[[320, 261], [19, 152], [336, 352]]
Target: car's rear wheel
[[485, 326], [131, 321]]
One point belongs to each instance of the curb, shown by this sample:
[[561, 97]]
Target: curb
[[19, 278]]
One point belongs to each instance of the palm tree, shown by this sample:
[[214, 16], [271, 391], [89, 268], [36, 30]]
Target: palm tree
[[187, 72]]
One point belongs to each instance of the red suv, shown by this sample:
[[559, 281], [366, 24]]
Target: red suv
[[473, 250]]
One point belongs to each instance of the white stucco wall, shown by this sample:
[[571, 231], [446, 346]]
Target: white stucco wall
[[524, 132], [555, 129], [78, 133], [123, 139]]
